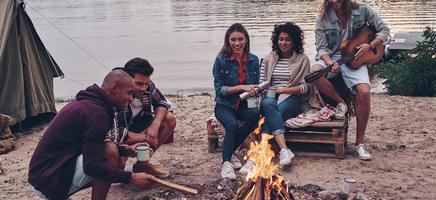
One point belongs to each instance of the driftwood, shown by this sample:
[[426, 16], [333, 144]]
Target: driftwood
[[175, 186]]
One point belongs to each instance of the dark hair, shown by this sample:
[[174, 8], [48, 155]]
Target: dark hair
[[236, 27], [138, 66], [294, 32], [347, 5]]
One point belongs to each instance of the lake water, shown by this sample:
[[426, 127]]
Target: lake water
[[180, 38]]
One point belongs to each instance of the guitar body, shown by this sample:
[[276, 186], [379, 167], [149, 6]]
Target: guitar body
[[364, 35]]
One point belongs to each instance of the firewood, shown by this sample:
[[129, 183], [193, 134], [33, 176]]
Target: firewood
[[242, 192], [176, 186]]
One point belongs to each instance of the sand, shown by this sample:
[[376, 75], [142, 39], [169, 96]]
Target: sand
[[401, 138]]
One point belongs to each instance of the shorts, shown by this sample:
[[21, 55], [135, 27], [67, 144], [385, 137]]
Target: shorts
[[80, 179], [352, 77]]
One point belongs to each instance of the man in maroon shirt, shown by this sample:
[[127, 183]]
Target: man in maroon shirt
[[74, 151]]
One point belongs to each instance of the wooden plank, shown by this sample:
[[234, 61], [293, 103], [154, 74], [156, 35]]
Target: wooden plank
[[329, 124], [315, 139], [290, 132], [176, 186]]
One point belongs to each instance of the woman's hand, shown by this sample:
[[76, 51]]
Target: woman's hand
[[249, 88], [281, 90]]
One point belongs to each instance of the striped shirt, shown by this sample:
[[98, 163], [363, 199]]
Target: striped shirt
[[280, 75]]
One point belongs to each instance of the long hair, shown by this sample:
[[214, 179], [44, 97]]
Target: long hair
[[294, 32], [236, 27], [347, 6]]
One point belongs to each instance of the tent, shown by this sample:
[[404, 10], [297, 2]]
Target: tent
[[26, 68]]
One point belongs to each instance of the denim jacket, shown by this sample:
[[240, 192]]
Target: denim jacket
[[225, 74], [328, 29]]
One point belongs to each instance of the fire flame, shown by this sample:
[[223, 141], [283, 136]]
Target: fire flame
[[264, 171], [261, 153]]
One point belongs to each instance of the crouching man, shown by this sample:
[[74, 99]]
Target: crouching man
[[150, 120], [75, 152]]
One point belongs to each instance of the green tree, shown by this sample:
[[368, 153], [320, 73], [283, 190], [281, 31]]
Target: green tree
[[412, 73]]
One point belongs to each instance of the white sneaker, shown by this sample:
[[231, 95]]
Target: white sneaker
[[227, 171], [341, 111], [236, 162], [363, 154], [286, 156], [247, 167]]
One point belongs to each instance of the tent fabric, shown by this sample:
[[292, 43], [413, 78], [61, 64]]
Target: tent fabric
[[26, 67]]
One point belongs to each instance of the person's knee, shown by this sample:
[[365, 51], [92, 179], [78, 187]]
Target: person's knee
[[316, 67], [170, 120], [268, 102], [363, 92]]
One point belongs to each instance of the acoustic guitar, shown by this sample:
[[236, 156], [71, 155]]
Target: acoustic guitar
[[364, 35], [348, 52]]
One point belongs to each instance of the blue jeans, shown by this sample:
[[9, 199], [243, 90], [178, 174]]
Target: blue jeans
[[276, 114], [235, 135]]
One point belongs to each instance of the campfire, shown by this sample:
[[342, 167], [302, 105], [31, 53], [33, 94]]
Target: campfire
[[263, 182]]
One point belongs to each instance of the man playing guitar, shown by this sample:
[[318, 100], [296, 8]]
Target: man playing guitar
[[338, 21]]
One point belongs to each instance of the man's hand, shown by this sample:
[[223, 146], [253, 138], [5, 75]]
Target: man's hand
[[335, 67], [141, 180], [362, 50], [127, 150], [151, 135]]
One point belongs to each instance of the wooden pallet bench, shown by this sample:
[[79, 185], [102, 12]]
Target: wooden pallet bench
[[331, 132]]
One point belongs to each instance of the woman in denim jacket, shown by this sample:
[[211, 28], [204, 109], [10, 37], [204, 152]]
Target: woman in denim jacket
[[338, 21], [235, 70]]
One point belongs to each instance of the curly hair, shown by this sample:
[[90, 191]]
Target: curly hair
[[294, 32]]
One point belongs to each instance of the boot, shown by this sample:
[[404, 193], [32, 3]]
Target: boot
[[147, 167]]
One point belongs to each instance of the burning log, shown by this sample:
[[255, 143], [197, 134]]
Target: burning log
[[263, 182]]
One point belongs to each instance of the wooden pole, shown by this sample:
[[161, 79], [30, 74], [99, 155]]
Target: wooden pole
[[175, 186]]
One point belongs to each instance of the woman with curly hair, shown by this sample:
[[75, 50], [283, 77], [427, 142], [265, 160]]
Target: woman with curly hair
[[285, 68]]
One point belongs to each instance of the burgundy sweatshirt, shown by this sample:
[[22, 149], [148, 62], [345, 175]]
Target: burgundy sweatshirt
[[79, 128]]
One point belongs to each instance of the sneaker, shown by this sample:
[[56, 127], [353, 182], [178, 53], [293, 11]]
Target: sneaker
[[363, 154], [247, 167], [150, 169], [236, 162], [286, 156], [341, 111], [227, 171]]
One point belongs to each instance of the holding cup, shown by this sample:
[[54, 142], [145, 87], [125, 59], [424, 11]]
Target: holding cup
[[144, 152], [251, 102], [271, 92]]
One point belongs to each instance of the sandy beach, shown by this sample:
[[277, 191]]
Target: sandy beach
[[401, 137]]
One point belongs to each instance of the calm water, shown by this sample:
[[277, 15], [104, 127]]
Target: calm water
[[179, 37]]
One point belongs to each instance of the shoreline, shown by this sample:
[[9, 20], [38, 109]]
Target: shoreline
[[401, 138]]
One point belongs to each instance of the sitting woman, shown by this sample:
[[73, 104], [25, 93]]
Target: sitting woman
[[285, 68], [235, 70]]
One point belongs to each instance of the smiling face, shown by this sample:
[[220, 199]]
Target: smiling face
[[285, 43], [122, 94], [237, 42], [140, 83]]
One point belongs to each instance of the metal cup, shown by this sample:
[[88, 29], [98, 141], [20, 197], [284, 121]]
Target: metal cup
[[349, 185], [271, 92], [143, 152], [251, 102]]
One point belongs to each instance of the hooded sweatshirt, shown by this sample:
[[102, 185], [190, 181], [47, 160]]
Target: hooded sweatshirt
[[79, 128]]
